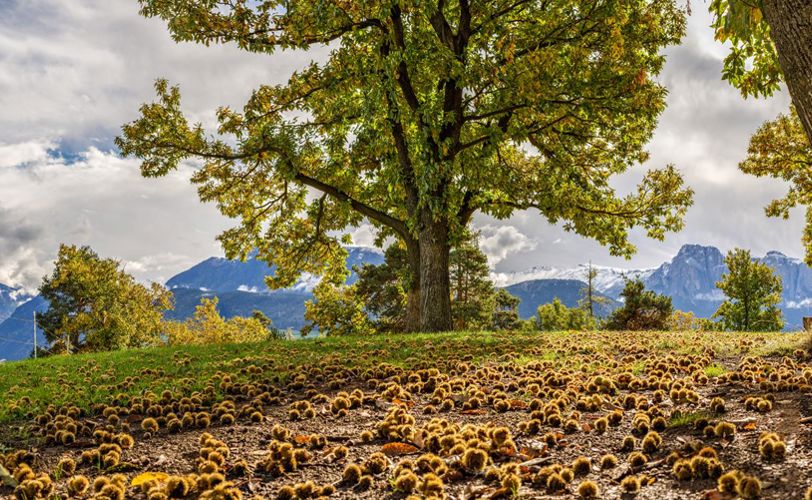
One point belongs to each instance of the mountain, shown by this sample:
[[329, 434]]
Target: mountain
[[220, 274], [10, 299], [608, 280], [534, 293], [689, 278], [240, 288], [17, 331], [285, 308]]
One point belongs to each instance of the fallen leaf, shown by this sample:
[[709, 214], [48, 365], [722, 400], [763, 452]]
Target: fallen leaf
[[531, 452], [517, 404], [397, 449], [301, 439], [536, 461], [711, 495], [475, 411], [148, 477], [7, 478]]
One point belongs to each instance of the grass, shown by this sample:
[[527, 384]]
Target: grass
[[680, 419], [714, 370], [27, 387]]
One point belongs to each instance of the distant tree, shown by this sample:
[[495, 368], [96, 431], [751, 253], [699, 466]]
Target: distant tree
[[589, 297], [681, 321], [94, 305], [336, 310], [265, 321], [383, 290], [207, 326], [506, 311], [753, 292], [472, 291], [642, 309], [555, 316], [421, 115]]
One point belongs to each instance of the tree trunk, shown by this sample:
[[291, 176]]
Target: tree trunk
[[412, 320], [435, 289], [790, 24]]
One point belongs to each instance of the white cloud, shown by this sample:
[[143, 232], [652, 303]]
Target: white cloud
[[99, 200], [14, 155], [363, 236], [72, 72], [802, 304], [75, 71], [498, 242]]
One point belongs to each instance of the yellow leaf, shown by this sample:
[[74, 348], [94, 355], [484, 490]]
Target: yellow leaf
[[149, 476]]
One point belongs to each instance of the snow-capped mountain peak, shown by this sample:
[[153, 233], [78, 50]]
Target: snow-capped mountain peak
[[609, 280]]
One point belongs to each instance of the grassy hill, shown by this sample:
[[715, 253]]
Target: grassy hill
[[488, 413]]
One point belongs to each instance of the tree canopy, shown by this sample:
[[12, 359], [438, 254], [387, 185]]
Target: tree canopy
[[423, 114], [94, 305], [753, 292], [642, 309], [770, 43], [555, 316], [780, 149], [207, 326]]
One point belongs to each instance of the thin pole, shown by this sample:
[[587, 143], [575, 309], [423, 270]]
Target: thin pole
[[35, 334]]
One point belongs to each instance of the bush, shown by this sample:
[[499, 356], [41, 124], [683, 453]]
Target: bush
[[642, 309], [556, 316], [206, 326]]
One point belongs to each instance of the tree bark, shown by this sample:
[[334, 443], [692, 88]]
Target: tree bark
[[790, 24], [435, 287], [412, 320]]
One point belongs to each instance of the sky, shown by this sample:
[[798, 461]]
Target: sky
[[72, 72]]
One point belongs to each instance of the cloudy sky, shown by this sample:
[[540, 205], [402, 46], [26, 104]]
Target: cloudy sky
[[72, 72]]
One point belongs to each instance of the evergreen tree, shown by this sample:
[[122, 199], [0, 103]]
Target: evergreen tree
[[472, 291], [590, 299], [642, 309], [383, 289], [506, 311]]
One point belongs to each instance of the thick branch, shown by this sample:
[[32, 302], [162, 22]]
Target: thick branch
[[382, 217]]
